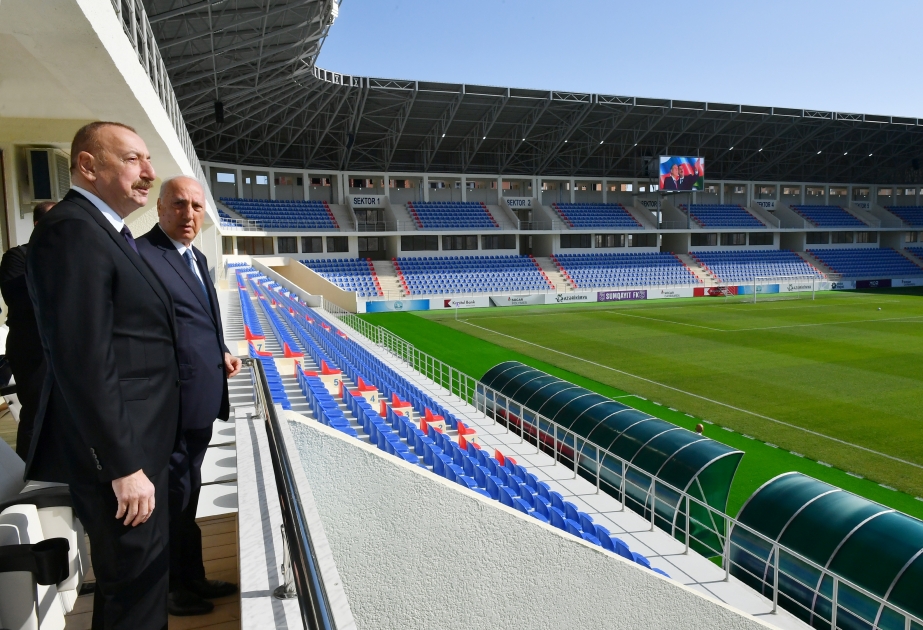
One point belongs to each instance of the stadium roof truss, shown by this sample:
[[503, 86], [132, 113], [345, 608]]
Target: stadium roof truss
[[257, 58]]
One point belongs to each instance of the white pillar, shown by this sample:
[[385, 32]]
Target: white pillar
[[305, 189], [240, 186], [605, 190], [721, 192], [272, 185], [426, 188], [573, 192], [464, 188]]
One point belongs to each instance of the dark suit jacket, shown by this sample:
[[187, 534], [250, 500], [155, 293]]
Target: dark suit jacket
[[110, 403], [200, 338], [23, 345], [686, 182]]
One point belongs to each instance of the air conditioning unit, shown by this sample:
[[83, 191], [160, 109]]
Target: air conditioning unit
[[49, 174]]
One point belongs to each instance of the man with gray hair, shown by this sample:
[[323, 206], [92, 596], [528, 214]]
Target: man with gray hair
[[205, 365]]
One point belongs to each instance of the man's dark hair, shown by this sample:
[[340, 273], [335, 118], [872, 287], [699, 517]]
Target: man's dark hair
[[41, 210], [87, 139]]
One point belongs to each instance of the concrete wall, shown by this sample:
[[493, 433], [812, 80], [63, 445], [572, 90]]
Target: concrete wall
[[415, 551], [310, 281]]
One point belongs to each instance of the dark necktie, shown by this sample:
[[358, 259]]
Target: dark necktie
[[187, 255], [126, 233]]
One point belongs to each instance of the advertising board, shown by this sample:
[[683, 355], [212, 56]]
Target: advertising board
[[907, 282], [884, 283], [621, 296], [676, 292], [569, 298], [480, 301], [389, 306], [517, 300]]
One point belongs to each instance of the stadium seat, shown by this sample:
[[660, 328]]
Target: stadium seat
[[470, 274], [280, 215], [854, 262], [745, 265], [589, 271], [828, 216], [596, 215], [719, 216]]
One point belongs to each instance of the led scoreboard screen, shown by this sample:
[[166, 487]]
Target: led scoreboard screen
[[681, 173]]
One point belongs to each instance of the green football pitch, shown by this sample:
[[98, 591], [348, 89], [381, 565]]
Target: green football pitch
[[832, 387]]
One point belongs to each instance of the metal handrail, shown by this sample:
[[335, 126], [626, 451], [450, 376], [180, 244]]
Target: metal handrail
[[301, 570], [468, 389]]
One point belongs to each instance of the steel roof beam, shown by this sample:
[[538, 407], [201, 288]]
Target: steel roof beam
[[517, 136], [565, 131], [434, 138], [472, 142]]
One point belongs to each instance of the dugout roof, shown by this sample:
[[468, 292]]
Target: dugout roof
[[689, 462], [280, 110], [876, 548]]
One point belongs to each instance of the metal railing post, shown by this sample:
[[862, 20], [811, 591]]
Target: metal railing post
[[286, 590], [775, 579], [688, 531], [834, 602]]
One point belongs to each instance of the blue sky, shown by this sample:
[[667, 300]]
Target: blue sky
[[843, 56]]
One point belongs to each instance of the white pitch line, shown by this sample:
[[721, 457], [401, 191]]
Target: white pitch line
[[715, 402], [909, 319], [668, 321]]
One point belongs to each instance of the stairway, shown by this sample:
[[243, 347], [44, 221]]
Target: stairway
[[343, 217], [387, 278], [914, 258], [817, 264], [698, 270], [554, 274], [503, 221], [240, 388]]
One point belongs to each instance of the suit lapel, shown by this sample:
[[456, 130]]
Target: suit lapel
[[179, 265], [212, 293], [122, 244]]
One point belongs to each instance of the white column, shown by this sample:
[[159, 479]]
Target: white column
[[605, 190], [721, 192], [272, 185], [240, 184], [803, 188], [426, 188], [464, 188], [305, 190], [573, 192], [386, 183]]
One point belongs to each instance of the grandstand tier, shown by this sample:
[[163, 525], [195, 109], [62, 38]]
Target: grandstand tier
[[744, 266], [356, 275], [591, 271], [854, 262], [451, 215], [722, 216], [911, 215], [596, 215], [283, 215], [451, 275], [828, 216], [368, 400]]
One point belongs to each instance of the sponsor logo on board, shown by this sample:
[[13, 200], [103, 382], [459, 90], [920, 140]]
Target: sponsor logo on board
[[621, 296], [562, 298]]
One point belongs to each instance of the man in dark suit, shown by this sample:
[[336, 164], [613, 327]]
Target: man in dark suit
[[109, 411], [205, 366], [23, 344]]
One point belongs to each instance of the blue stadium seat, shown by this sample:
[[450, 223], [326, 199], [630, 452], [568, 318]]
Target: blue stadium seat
[[596, 215]]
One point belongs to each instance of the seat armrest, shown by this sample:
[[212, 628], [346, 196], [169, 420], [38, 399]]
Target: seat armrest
[[54, 496], [47, 560]]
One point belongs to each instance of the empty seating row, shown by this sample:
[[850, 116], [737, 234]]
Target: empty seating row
[[470, 274], [227, 221], [590, 271], [828, 216], [393, 428], [284, 215], [744, 266], [596, 215], [911, 215], [450, 215], [713, 215], [356, 275], [875, 263]]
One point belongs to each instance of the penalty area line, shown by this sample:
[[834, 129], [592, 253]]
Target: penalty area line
[[700, 397]]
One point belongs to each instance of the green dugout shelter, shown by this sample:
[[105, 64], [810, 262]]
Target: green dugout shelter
[[644, 461], [825, 536]]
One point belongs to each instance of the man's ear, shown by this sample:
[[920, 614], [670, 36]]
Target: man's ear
[[86, 165]]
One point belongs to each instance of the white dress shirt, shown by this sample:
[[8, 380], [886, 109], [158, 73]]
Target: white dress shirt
[[110, 214], [182, 252]]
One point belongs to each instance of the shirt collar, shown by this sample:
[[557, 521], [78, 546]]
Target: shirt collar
[[110, 214], [181, 248]]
